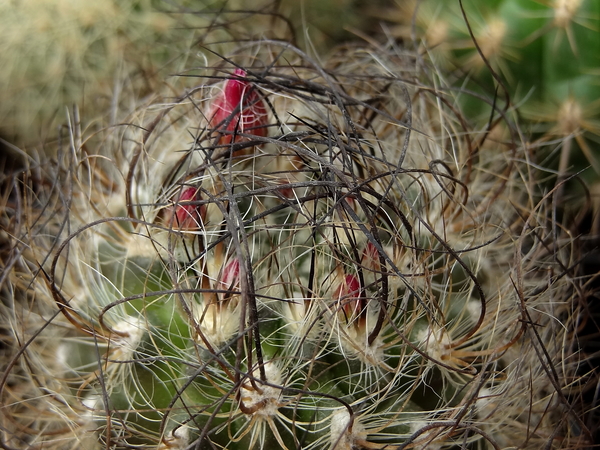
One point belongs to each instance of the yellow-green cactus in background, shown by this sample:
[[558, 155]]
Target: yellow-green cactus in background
[[57, 53]]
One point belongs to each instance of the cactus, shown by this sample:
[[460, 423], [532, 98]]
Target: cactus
[[545, 56], [57, 53], [291, 255]]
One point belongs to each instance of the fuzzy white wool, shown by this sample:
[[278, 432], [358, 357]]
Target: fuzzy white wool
[[267, 399], [127, 338], [344, 434]]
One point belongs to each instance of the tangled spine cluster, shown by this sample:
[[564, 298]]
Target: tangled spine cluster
[[291, 255]]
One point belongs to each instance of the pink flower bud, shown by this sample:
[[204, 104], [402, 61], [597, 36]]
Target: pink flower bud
[[348, 296], [230, 276], [186, 214], [250, 112]]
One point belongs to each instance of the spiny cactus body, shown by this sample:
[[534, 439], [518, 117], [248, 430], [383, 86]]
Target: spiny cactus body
[[291, 255], [544, 54]]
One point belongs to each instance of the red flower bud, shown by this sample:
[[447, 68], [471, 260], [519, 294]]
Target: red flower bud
[[185, 214], [348, 296], [250, 115], [230, 275]]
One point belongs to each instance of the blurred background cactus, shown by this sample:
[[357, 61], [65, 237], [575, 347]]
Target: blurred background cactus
[[279, 250], [57, 53], [541, 55]]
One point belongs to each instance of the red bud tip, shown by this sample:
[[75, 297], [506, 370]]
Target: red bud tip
[[251, 113], [348, 295], [185, 214], [230, 277]]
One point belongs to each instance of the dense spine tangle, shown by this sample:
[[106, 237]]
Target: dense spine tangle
[[292, 255]]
